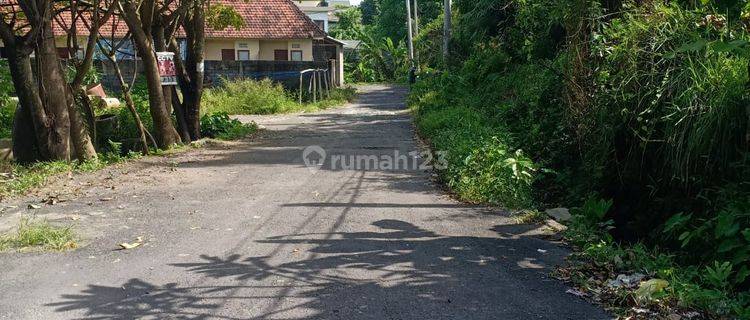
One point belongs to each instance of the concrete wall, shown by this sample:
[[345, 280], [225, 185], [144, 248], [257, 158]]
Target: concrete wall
[[213, 48], [267, 48], [253, 46], [306, 45], [285, 72]]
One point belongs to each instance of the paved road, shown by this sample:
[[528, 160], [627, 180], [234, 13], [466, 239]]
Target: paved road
[[250, 232]]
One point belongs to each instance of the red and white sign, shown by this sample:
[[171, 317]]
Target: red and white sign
[[167, 70]]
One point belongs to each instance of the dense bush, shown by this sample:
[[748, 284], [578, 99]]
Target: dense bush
[[644, 103], [248, 96], [219, 125]]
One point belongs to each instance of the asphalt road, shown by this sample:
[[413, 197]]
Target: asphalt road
[[248, 231]]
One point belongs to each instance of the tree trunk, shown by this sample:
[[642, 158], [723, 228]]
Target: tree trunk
[[171, 98], [131, 106], [25, 146], [79, 133], [166, 135], [193, 90], [30, 117], [54, 94], [179, 113]]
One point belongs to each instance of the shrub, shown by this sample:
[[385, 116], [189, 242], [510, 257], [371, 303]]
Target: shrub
[[248, 96], [6, 119], [221, 126], [7, 109], [641, 102]]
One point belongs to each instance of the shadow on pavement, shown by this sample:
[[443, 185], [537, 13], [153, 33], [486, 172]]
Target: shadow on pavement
[[399, 271]]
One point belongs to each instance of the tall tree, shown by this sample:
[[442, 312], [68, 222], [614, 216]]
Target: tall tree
[[139, 17], [92, 15], [42, 127], [199, 14], [47, 119], [370, 10]]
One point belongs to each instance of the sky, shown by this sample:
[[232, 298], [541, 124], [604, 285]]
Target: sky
[[355, 2]]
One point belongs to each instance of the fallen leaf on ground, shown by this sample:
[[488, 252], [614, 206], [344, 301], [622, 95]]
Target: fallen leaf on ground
[[34, 206], [128, 246]]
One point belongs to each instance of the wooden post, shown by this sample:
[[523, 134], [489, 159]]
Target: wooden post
[[300, 87], [416, 30], [315, 92], [325, 80], [320, 85]]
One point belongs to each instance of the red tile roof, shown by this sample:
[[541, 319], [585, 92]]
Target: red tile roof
[[264, 19], [269, 19]]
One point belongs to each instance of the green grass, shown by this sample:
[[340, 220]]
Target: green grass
[[39, 235], [238, 132], [221, 126], [529, 216], [249, 96]]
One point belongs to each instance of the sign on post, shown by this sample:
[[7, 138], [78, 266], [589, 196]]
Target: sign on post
[[167, 70]]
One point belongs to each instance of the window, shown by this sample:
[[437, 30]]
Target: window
[[227, 54], [296, 46], [281, 55], [242, 45], [243, 55], [296, 55]]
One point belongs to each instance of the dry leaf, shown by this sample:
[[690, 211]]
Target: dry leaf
[[128, 246]]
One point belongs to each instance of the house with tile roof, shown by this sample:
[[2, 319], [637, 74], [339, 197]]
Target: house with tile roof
[[273, 30], [323, 13]]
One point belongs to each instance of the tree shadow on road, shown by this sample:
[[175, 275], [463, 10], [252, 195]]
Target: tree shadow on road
[[393, 270]]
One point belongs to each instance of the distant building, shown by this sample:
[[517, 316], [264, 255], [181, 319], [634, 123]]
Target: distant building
[[274, 30], [323, 13]]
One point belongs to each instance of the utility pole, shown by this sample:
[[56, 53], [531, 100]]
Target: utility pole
[[447, 31], [409, 29], [416, 18], [416, 31]]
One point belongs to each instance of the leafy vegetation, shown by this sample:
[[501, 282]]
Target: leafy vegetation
[[562, 103], [38, 235], [248, 96], [382, 54], [221, 126], [7, 109]]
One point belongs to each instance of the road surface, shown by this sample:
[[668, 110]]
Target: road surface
[[248, 231]]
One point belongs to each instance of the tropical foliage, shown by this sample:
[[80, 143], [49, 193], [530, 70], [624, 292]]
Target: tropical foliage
[[641, 103]]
